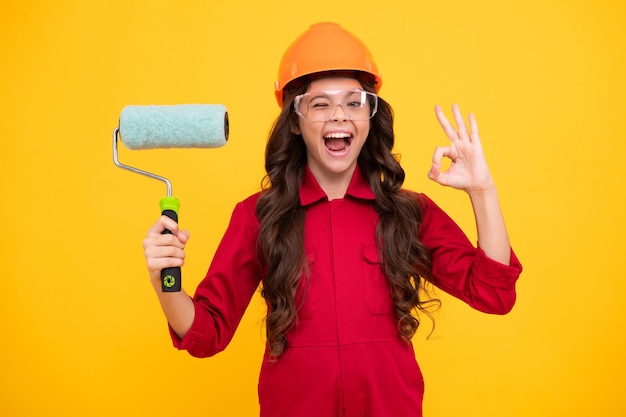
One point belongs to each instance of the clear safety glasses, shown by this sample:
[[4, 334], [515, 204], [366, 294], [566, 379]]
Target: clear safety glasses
[[322, 106]]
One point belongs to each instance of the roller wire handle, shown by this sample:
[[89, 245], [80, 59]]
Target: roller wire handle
[[170, 277]]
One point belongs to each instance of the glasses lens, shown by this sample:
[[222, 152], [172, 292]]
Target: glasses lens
[[326, 105]]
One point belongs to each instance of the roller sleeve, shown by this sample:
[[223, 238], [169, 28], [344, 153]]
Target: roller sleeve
[[174, 126]]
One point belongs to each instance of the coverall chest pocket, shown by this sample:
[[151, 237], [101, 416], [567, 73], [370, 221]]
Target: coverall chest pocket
[[376, 292]]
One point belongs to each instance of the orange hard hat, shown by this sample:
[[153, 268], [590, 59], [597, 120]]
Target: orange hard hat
[[325, 47]]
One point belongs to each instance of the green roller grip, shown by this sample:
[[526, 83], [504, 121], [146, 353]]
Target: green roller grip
[[169, 203]]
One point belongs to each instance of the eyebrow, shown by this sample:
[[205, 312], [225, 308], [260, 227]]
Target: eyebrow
[[326, 93]]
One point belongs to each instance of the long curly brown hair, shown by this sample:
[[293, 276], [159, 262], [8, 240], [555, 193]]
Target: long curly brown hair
[[406, 262]]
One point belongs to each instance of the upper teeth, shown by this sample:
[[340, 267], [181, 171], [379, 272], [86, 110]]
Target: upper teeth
[[338, 135]]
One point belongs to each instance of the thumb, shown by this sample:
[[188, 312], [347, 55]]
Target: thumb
[[435, 171], [439, 153], [183, 236]]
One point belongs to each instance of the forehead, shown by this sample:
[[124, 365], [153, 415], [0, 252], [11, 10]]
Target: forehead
[[334, 83]]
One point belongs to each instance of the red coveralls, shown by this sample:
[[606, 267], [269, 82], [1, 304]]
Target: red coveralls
[[344, 357]]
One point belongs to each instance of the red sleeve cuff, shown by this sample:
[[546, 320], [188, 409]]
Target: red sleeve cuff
[[497, 274], [192, 340]]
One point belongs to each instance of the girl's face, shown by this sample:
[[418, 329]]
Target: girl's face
[[332, 145]]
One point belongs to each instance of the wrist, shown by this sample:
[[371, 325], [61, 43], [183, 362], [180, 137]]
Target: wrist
[[485, 192]]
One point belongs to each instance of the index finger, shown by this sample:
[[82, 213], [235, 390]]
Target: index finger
[[164, 223]]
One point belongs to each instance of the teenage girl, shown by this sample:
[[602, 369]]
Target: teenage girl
[[340, 250]]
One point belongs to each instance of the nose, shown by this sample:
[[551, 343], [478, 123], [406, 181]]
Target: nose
[[338, 115]]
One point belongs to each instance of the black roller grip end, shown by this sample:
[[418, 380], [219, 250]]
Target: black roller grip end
[[171, 277]]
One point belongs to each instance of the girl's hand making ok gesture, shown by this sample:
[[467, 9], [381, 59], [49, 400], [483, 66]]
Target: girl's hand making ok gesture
[[468, 170]]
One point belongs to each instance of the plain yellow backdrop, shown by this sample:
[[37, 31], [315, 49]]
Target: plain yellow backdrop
[[82, 333]]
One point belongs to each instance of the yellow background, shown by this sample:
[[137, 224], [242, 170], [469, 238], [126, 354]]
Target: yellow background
[[82, 332]]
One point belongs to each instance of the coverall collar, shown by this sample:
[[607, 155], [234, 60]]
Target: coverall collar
[[311, 192]]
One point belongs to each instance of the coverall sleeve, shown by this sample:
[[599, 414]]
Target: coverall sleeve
[[463, 270], [224, 294]]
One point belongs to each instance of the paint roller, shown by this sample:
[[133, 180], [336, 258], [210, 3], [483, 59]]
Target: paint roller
[[170, 126]]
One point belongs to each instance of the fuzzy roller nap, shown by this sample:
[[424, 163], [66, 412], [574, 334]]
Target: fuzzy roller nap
[[177, 126]]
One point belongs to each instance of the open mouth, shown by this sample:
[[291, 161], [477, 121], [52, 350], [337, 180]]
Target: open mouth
[[337, 141]]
